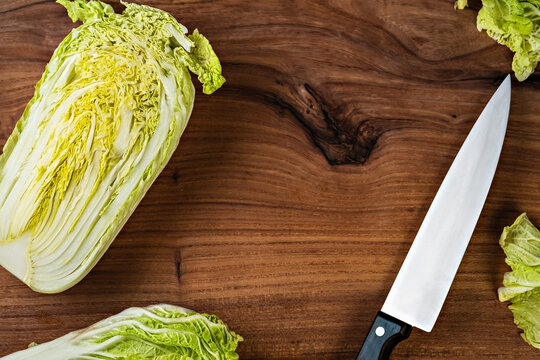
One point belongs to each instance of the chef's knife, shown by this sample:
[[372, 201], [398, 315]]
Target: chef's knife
[[421, 286]]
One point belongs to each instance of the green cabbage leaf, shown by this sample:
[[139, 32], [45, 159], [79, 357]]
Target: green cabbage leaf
[[521, 244], [513, 23], [159, 332], [105, 119], [460, 4]]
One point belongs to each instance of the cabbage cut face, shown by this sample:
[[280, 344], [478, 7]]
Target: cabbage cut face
[[106, 117], [159, 332]]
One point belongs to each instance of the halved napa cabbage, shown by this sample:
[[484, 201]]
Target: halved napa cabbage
[[106, 117], [159, 332]]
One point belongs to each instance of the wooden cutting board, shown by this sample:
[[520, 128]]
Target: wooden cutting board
[[298, 187]]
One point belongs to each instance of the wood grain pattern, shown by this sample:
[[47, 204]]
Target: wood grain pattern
[[298, 187]]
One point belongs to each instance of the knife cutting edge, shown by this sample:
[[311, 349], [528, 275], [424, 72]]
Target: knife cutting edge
[[421, 286]]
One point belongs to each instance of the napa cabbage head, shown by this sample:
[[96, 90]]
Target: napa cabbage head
[[159, 332], [105, 118], [521, 244]]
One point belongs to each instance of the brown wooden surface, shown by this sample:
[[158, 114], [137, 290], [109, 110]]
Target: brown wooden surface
[[298, 187]]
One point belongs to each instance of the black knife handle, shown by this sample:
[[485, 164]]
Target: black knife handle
[[386, 331]]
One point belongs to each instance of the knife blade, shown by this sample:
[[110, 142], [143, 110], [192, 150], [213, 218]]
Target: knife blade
[[422, 284]]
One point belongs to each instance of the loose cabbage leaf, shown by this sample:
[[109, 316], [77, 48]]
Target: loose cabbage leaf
[[521, 244], [105, 118], [460, 4], [516, 24], [159, 332]]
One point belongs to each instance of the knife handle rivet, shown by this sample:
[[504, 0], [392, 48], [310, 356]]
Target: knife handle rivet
[[379, 331]]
